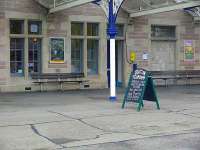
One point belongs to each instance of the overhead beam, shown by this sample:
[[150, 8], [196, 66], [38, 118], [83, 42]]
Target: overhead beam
[[44, 3], [69, 5], [165, 9]]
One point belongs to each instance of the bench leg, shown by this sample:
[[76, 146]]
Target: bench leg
[[41, 87], [187, 81], [165, 83], [61, 86]]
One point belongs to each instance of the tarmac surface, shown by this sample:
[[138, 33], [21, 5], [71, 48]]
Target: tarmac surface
[[87, 120]]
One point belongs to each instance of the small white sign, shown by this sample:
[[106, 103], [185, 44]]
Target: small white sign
[[34, 28], [145, 56]]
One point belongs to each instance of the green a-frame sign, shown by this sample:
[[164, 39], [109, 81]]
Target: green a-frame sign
[[140, 88]]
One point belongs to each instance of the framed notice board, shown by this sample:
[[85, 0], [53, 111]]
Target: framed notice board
[[140, 88]]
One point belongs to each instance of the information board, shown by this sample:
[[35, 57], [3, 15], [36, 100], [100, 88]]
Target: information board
[[136, 86], [140, 88]]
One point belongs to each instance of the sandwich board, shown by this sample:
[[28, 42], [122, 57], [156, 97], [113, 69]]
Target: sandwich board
[[140, 88]]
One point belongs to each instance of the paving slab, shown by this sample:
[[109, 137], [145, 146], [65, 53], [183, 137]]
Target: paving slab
[[104, 138], [70, 131], [189, 141], [88, 120], [23, 138], [29, 117]]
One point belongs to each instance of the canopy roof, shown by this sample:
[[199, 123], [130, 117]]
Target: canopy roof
[[134, 7]]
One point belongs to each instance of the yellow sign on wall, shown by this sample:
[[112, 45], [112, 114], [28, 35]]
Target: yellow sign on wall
[[132, 56]]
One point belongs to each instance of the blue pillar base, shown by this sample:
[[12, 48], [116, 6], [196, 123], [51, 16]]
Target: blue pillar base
[[113, 98]]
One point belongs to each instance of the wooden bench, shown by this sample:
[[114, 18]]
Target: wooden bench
[[176, 75], [188, 75], [60, 78], [163, 75]]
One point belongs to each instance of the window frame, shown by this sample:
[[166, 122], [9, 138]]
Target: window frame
[[97, 38], [26, 36], [97, 65], [83, 29], [82, 55], [163, 37], [15, 61], [40, 29], [96, 23], [39, 53], [24, 26]]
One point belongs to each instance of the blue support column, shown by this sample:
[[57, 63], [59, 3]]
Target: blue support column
[[112, 33]]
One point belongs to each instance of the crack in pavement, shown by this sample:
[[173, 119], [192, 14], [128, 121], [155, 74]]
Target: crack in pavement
[[43, 136], [143, 138], [21, 125], [90, 125], [181, 112]]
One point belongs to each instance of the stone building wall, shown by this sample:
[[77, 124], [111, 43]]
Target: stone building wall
[[54, 25], [140, 37], [3, 51], [137, 36]]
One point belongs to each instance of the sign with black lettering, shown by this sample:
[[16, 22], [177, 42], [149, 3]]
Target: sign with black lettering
[[140, 88]]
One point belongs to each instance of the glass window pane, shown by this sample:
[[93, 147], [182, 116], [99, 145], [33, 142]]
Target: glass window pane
[[12, 67], [19, 44], [77, 55], [16, 27], [120, 30], [92, 56], [17, 56], [30, 54], [19, 68], [92, 29], [35, 27], [57, 50], [76, 28], [35, 69], [163, 31], [12, 56], [34, 54]]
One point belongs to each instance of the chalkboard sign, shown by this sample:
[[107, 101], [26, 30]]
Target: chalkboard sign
[[140, 88], [136, 86]]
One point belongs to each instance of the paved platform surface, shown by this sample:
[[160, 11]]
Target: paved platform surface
[[87, 120]]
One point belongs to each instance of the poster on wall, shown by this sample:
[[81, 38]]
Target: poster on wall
[[189, 50], [57, 48]]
